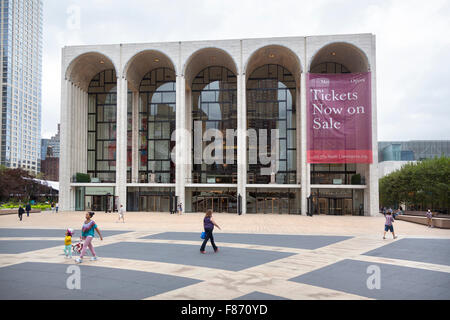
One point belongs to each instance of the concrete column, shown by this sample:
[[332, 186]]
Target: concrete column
[[79, 129], [182, 153], [72, 106], [242, 140], [305, 167], [373, 192], [121, 142], [64, 160], [135, 138], [84, 132], [188, 124]]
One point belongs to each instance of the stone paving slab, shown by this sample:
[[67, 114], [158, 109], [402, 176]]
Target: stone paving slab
[[396, 282], [21, 246], [436, 251], [33, 280], [309, 242], [47, 233], [256, 295], [232, 259]]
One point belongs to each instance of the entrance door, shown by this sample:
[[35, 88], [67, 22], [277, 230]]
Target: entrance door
[[336, 206], [323, 205], [284, 205], [348, 204], [143, 204], [275, 205], [98, 203], [260, 205]]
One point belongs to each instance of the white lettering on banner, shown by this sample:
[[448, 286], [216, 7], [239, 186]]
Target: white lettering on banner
[[333, 95], [318, 124], [332, 123]]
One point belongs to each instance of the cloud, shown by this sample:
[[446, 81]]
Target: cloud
[[413, 46]]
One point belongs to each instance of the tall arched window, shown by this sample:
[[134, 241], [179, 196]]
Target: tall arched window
[[102, 112], [214, 106], [329, 67], [271, 105], [156, 123]]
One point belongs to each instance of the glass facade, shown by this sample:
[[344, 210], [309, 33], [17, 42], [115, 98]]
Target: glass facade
[[102, 113], [218, 200], [151, 199], [95, 199], [21, 65], [157, 98], [414, 150], [271, 104], [336, 201], [273, 201], [334, 173], [214, 106]]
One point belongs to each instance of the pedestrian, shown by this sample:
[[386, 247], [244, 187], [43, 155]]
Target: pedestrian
[[429, 215], [52, 206], [28, 209], [388, 224], [68, 243], [87, 234], [208, 225], [121, 213], [57, 206], [180, 209], [21, 212]]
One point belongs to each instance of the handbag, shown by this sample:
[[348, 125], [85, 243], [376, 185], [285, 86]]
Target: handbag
[[203, 235]]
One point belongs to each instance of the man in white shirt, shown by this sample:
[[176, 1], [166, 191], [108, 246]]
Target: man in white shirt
[[121, 213]]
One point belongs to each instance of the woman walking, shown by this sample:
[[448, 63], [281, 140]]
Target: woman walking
[[87, 234], [208, 224]]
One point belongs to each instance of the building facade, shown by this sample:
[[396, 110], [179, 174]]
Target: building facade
[[414, 150], [135, 121], [50, 168], [52, 143], [393, 155], [21, 56]]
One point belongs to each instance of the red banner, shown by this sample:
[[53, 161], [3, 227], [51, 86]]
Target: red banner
[[339, 118]]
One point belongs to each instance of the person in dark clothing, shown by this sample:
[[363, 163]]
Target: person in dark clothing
[[21, 212], [28, 209], [208, 224]]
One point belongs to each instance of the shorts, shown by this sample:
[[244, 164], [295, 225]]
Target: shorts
[[389, 228]]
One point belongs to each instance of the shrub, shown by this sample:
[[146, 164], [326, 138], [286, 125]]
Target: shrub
[[82, 177], [356, 179]]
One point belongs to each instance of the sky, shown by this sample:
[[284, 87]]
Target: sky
[[412, 45]]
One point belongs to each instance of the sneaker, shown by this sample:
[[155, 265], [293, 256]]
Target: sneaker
[[395, 237], [203, 252], [217, 250], [384, 238], [78, 260], [94, 259]]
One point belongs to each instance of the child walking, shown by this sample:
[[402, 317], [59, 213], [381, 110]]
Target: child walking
[[87, 234], [68, 243], [388, 224]]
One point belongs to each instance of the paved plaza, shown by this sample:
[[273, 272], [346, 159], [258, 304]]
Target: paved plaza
[[261, 257]]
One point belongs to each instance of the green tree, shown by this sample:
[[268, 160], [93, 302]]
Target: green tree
[[425, 183]]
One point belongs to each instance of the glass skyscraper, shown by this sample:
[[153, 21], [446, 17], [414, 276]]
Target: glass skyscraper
[[21, 57]]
